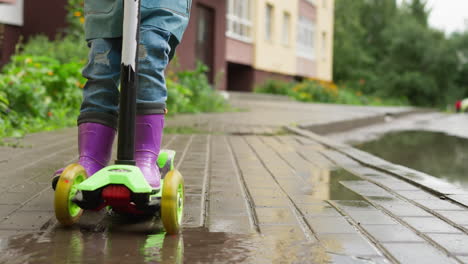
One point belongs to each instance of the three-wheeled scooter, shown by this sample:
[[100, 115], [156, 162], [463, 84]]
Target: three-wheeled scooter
[[122, 187]]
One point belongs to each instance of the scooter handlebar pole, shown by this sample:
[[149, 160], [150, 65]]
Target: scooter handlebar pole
[[128, 83]]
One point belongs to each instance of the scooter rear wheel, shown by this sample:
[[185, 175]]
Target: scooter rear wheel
[[172, 202], [66, 211]]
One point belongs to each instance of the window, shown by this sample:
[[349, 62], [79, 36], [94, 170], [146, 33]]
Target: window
[[269, 22], [286, 26], [324, 45], [239, 23], [305, 38]]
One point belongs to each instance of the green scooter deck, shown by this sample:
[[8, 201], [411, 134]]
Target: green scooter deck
[[130, 176], [127, 175]]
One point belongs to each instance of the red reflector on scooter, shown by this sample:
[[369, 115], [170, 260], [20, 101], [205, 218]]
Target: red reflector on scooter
[[116, 195]]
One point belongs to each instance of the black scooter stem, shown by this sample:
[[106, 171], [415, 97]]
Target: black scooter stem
[[128, 83]]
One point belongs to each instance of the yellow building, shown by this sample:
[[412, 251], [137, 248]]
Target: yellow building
[[315, 39], [274, 38], [278, 39], [324, 39]]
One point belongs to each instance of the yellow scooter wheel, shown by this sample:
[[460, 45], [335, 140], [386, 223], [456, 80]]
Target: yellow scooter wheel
[[66, 211], [172, 202]]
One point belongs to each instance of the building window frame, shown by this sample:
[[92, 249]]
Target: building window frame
[[324, 46], [239, 20], [269, 22], [306, 38], [286, 34]]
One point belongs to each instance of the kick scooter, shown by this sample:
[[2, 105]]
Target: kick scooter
[[122, 187]]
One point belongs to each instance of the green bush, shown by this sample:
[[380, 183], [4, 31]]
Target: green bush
[[190, 92], [324, 92], [34, 84], [38, 92], [275, 87], [45, 92], [75, 18], [4, 104], [41, 88], [64, 49]]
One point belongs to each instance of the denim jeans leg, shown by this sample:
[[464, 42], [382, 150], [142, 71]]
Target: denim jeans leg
[[101, 94], [153, 58]]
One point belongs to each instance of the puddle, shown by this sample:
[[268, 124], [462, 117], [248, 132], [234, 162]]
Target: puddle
[[323, 184], [337, 190], [434, 153], [192, 246], [118, 240], [143, 241]]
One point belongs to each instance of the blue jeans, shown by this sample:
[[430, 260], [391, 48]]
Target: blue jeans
[[101, 92]]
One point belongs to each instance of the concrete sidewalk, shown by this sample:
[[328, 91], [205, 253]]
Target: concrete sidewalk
[[315, 199]]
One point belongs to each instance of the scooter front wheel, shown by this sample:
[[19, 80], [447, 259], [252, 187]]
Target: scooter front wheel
[[172, 202], [66, 211]]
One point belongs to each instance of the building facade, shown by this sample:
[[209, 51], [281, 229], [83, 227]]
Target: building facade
[[274, 39], [30, 23], [240, 48], [246, 42], [324, 39], [205, 40], [243, 42]]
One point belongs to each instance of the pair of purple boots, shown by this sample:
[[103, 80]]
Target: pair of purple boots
[[95, 146]]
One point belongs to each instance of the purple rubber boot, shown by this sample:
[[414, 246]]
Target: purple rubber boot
[[94, 146], [148, 137]]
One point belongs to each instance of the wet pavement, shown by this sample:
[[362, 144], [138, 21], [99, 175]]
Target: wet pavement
[[434, 153], [255, 193]]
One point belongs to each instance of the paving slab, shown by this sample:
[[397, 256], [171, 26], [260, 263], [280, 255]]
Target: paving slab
[[391, 233], [402, 208], [330, 225], [439, 205], [417, 253], [318, 210], [42, 202], [353, 244], [366, 188], [283, 231], [371, 217], [430, 225], [355, 205], [275, 216], [6, 209], [454, 243], [25, 220], [251, 191], [458, 217], [418, 195]]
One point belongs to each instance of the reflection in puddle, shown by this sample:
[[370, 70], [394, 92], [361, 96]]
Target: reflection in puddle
[[117, 240], [192, 246], [325, 184], [337, 190], [437, 154]]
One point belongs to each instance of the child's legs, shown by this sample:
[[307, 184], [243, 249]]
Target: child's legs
[[101, 94], [153, 59]]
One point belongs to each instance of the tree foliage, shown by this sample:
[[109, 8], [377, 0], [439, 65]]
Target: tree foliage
[[387, 49]]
